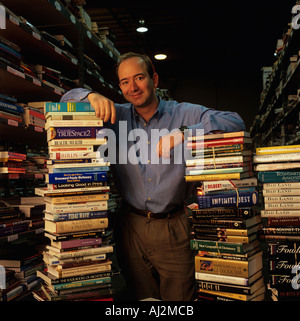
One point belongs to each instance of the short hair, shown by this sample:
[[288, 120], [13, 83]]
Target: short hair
[[145, 58]]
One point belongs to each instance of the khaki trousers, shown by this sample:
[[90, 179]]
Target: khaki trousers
[[155, 256]]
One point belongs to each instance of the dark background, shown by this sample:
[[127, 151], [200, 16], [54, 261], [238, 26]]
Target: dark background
[[215, 49]]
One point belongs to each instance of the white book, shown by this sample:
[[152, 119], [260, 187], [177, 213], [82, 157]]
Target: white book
[[76, 207], [282, 206], [271, 158], [77, 142], [209, 186], [270, 186], [282, 199], [281, 192], [73, 123], [282, 213], [276, 166]]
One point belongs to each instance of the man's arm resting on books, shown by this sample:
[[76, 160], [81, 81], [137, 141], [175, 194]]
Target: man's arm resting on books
[[104, 107]]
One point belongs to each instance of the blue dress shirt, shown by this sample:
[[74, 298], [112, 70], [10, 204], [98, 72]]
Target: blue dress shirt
[[157, 186]]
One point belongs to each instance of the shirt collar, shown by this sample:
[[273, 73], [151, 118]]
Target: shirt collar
[[158, 112]]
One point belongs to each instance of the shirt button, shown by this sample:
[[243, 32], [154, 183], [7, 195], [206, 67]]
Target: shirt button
[[145, 124], [148, 142], [148, 161], [148, 198], [149, 179]]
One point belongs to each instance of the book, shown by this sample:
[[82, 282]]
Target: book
[[219, 200], [74, 216], [278, 176], [223, 170], [76, 155], [75, 225], [234, 280], [76, 207], [222, 247], [77, 198], [276, 166], [226, 287], [60, 133], [217, 160], [220, 135], [68, 107], [222, 212], [214, 177], [274, 158], [277, 149], [74, 123], [282, 199], [77, 142], [61, 271], [76, 177], [229, 267], [218, 142]]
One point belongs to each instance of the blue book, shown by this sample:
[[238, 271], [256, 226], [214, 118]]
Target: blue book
[[76, 177], [278, 176], [11, 107], [78, 216], [220, 200], [81, 169], [68, 107]]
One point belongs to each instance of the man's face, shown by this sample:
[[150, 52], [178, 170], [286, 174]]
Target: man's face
[[135, 83]]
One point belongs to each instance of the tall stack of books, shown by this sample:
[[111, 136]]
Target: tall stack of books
[[76, 213], [278, 171], [228, 266]]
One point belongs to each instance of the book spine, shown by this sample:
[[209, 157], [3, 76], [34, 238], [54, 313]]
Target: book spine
[[69, 107], [288, 185], [88, 270], [74, 123], [79, 225], [76, 177], [227, 184], [268, 158], [77, 207], [73, 155], [244, 199], [286, 249], [93, 168], [206, 245], [78, 216], [221, 278], [281, 192], [11, 107], [78, 198], [283, 221], [82, 283], [282, 199], [218, 224], [281, 230], [222, 267], [212, 177], [282, 266], [205, 285], [243, 212], [282, 206], [77, 142], [83, 186], [223, 238], [73, 132], [82, 148], [278, 176], [81, 278]]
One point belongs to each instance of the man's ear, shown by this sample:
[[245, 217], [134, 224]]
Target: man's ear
[[155, 80]]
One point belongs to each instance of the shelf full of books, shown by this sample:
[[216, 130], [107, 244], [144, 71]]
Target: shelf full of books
[[278, 122], [77, 199], [225, 219], [278, 172]]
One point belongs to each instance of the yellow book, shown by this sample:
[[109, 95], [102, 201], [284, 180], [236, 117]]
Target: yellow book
[[256, 296], [278, 149], [215, 177], [77, 198], [215, 265]]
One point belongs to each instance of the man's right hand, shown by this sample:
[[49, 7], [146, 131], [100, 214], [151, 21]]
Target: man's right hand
[[104, 107]]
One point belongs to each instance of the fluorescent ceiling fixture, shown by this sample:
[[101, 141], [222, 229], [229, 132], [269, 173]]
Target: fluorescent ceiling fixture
[[160, 56], [141, 27]]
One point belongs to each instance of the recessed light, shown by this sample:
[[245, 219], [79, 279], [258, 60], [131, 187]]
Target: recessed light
[[160, 56], [141, 27]]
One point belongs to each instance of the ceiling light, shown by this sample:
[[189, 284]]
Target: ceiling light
[[141, 27], [160, 56]]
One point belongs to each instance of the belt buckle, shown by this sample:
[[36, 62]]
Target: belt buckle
[[149, 215]]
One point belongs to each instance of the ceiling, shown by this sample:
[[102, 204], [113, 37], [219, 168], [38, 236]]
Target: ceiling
[[212, 42]]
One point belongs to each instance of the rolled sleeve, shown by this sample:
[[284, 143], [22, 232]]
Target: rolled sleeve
[[76, 94]]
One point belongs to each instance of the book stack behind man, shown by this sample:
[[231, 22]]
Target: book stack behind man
[[76, 213], [228, 266], [278, 171]]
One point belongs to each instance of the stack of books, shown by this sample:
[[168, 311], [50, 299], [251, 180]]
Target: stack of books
[[76, 211], [228, 266], [278, 171], [21, 262], [11, 162]]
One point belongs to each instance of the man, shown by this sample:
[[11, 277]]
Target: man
[[152, 234]]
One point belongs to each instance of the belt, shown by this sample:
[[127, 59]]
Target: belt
[[151, 215]]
